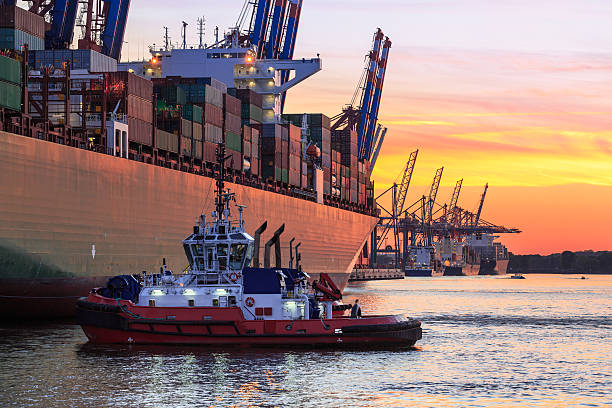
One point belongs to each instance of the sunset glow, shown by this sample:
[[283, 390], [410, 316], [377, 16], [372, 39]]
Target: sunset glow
[[515, 94]]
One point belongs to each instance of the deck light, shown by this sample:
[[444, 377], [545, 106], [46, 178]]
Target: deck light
[[157, 292], [189, 292]]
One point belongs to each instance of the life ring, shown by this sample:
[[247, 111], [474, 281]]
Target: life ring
[[249, 301], [233, 277]]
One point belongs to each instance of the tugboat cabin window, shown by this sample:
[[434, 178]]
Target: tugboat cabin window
[[237, 255], [209, 258], [222, 256], [198, 250], [188, 253]]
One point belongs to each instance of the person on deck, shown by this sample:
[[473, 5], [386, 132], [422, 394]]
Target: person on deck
[[356, 310]]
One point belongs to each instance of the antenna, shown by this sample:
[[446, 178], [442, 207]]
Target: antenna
[[184, 35], [166, 39], [216, 34], [201, 24]]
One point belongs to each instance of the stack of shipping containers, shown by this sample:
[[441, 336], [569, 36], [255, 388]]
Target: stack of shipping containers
[[132, 96], [232, 127], [275, 152], [251, 115], [19, 27], [191, 146], [10, 83], [345, 142]]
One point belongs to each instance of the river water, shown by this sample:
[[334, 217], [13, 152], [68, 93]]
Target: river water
[[544, 341]]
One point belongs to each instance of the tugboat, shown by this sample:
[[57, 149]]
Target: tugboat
[[219, 301]]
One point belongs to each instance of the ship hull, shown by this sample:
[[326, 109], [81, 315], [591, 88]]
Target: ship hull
[[71, 218], [494, 267], [106, 321], [418, 272], [465, 270]]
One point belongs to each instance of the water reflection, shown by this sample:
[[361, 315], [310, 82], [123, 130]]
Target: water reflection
[[541, 342]]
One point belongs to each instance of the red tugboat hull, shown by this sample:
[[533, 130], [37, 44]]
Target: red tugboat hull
[[107, 321]]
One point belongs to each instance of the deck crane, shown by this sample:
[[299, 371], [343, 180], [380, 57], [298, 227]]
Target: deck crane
[[361, 115]]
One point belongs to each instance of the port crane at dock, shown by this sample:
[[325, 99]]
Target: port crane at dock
[[361, 115]]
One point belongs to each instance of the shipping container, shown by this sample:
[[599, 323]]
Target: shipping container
[[255, 166], [10, 96], [132, 83], [10, 70], [232, 123], [233, 141], [186, 147], [197, 131], [139, 108], [231, 104], [89, 60], [14, 39], [197, 149], [193, 113], [213, 134], [235, 161], [318, 120], [166, 141], [213, 115], [172, 94], [24, 20], [140, 131], [251, 113], [210, 152], [186, 128], [247, 96]]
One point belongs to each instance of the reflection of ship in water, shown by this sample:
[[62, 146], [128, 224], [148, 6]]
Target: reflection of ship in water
[[493, 256]]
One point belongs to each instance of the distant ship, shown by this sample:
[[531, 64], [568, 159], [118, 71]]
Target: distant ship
[[454, 258], [493, 256], [421, 261]]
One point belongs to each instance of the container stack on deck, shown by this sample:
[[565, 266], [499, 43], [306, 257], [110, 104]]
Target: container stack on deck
[[19, 27], [10, 83], [132, 96], [177, 123]]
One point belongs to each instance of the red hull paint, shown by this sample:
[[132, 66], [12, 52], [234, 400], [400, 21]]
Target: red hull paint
[[105, 321]]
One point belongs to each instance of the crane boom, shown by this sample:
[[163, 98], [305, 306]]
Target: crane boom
[[433, 193], [403, 187], [455, 198], [366, 100], [376, 98], [482, 198]]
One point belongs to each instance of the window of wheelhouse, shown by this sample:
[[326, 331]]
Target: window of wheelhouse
[[237, 255], [188, 253], [198, 256], [222, 256]]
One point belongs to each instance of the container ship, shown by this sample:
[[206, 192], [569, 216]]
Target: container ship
[[103, 169]]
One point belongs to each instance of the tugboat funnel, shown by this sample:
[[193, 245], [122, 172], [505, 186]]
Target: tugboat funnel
[[275, 240], [257, 237]]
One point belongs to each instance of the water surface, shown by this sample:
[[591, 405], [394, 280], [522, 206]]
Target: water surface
[[488, 341]]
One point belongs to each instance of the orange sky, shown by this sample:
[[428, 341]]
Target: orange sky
[[515, 93]]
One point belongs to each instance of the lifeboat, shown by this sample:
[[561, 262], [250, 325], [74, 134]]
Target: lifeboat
[[225, 298]]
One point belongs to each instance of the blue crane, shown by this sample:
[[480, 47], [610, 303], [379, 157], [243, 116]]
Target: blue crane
[[363, 119]]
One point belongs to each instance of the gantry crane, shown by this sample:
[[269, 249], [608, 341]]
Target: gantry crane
[[103, 23], [389, 222], [361, 115]]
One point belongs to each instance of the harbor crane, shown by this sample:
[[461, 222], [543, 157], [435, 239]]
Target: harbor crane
[[103, 23], [389, 222], [361, 115]]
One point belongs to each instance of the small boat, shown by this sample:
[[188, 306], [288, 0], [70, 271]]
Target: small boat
[[220, 301], [517, 276]]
